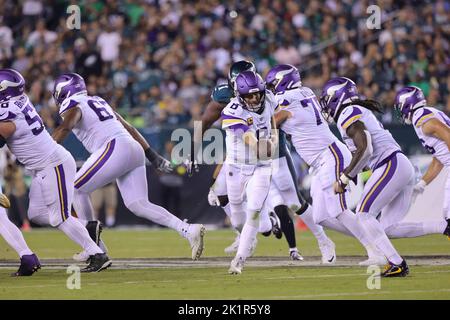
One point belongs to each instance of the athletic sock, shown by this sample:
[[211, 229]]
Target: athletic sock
[[316, 229], [247, 238], [78, 233], [378, 237], [12, 235], [286, 225], [415, 229]]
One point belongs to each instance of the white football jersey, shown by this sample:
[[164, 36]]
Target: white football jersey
[[98, 123], [382, 141], [434, 145], [236, 120], [31, 143], [309, 131]]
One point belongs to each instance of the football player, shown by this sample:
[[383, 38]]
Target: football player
[[389, 188], [118, 152], [284, 177], [52, 167], [433, 130], [298, 114], [247, 121]]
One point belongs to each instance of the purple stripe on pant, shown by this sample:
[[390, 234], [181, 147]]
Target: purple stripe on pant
[[340, 163], [64, 190], [385, 180], [97, 165]]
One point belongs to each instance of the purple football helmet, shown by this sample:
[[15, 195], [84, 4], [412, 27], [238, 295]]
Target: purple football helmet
[[336, 92], [247, 84], [283, 77], [66, 85], [12, 84], [408, 100]]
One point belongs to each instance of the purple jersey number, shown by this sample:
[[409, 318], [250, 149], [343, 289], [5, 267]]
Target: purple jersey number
[[31, 116], [429, 149], [98, 106], [315, 106]]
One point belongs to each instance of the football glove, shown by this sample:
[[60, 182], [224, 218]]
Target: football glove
[[213, 199], [160, 163]]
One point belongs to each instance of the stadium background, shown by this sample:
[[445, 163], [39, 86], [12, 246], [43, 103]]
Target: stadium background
[[156, 62]]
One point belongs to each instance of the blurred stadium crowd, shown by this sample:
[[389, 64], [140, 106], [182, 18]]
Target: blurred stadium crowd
[[157, 61]]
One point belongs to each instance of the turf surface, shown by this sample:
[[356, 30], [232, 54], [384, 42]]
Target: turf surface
[[287, 282]]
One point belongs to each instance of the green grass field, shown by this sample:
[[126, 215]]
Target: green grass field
[[288, 281]]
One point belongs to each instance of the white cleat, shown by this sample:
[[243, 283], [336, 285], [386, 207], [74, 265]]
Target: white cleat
[[328, 250], [81, 257], [234, 246], [295, 255], [374, 261], [195, 238], [236, 266]]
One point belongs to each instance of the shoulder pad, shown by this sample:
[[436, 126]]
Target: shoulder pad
[[349, 115], [421, 116], [67, 104]]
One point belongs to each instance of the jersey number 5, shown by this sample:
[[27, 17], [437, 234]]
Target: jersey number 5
[[100, 110], [31, 117]]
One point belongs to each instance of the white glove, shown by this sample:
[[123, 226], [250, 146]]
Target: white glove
[[213, 199], [420, 187]]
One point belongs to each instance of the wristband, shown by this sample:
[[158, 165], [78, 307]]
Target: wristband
[[344, 179]]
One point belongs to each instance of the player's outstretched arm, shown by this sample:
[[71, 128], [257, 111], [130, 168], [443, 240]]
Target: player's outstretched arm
[[70, 120], [211, 115], [7, 129], [155, 159]]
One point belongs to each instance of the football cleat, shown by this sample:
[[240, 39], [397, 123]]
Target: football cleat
[[234, 246], [29, 264], [276, 225], [97, 263], [447, 230], [4, 201], [295, 255], [236, 266], [195, 236], [328, 250], [392, 270]]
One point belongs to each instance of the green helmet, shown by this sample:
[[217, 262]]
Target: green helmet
[[238, 67]]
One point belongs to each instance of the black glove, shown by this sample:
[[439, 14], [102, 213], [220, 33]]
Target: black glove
[[157, 161]]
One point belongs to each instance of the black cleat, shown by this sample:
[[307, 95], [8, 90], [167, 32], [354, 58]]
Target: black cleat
[[276, 225], [95, 229], [447, 230], [392, 270], [97, 263], [29, 264]]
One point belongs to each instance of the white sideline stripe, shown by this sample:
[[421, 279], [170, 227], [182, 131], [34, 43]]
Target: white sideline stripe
[[343, 294], [231, 277]]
